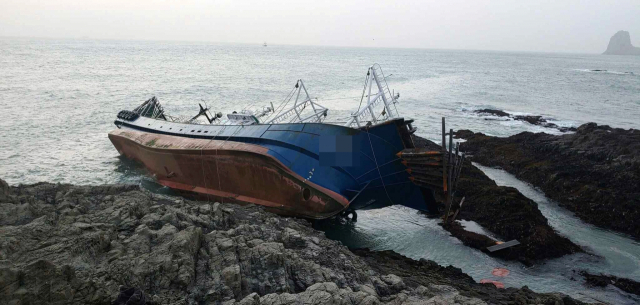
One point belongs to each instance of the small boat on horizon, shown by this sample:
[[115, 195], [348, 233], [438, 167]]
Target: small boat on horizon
[[286, 157], [264, 44]]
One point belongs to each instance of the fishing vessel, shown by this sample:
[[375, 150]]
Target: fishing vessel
[[287, 157]]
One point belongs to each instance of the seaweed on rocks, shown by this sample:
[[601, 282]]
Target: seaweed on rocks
[[594, 172], [505, 212], [67, 244]]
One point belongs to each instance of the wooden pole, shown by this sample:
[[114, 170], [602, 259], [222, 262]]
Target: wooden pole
[[451, 162], [450, 175], [450, 169], [444, 160], [456, 165], [459, 170], [458, 210], [450, 148], [444, 165]]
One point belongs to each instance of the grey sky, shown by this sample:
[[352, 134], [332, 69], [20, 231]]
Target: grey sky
[[560, 25]]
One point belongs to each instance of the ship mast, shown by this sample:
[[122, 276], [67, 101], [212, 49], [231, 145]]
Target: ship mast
[[378, 90], [296, 113]]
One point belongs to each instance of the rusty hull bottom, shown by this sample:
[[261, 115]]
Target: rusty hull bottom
[[229, 172]]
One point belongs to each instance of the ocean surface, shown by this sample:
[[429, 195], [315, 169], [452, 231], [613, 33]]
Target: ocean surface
[[58, 100]]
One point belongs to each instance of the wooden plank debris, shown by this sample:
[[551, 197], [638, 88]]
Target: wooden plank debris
[[504, 245], [458, 210]]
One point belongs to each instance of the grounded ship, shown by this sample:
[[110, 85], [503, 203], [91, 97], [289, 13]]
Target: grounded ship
[[287, 159]]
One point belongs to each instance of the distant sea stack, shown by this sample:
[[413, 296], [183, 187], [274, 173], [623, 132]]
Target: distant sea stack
[[620, 44]]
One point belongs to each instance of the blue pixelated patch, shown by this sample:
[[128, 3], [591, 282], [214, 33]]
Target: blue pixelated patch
[[339, 151]]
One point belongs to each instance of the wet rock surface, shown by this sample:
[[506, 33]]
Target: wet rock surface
[[65, 244], [594, 172], [418, 273], [531, 119], [505, 212], [603, 280]]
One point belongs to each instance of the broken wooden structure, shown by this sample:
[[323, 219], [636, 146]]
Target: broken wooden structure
[[436, 170]]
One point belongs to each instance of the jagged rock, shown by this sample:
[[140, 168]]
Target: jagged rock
[[495, 112], [603, 280], [4, 190], [505, 212], [531, 119], [594, 172], [620, 44], [63, 244], [130, 296], [435, 284]]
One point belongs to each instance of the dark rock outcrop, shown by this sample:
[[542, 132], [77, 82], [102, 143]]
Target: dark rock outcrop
[[505, 212], [603, 280], [620, 44], [65, 244], [531, 119], [495, 112], [594, 173]]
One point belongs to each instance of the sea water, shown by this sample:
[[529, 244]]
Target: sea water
[[59, 97]]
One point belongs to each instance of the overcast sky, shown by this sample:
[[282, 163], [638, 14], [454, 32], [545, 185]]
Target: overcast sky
[[519, 25]]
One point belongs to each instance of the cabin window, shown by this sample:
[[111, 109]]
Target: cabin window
[[206, 131], [192, 130], [199, 130]]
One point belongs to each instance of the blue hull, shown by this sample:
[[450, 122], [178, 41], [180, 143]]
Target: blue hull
[[360, 164]]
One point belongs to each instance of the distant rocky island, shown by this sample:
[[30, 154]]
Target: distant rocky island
[[620, 44]]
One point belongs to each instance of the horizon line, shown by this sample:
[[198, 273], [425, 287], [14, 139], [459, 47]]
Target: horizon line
[[295, 45]]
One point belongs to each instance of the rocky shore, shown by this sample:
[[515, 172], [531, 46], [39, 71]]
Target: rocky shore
[[416, 273], [505, 212], [66, 244], [594, 172], [603, 280]]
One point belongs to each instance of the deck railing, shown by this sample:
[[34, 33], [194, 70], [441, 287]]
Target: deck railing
[[377, 91]]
